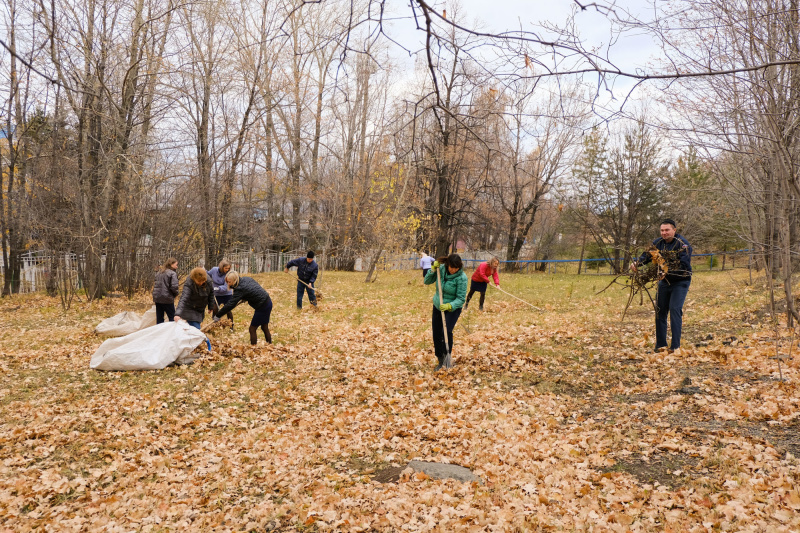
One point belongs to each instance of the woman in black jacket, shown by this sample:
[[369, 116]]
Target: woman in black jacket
[[248, 290], [197, 295]]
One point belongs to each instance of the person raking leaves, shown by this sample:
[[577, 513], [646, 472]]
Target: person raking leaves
[[480, 280], [248, 290], [451, 283], [307, 270], [222, 293]]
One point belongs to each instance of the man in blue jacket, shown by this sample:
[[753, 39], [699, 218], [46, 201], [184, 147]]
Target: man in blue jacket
[[307, 270], [673, 285]]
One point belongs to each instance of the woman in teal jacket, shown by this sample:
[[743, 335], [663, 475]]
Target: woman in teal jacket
[[454, 292]]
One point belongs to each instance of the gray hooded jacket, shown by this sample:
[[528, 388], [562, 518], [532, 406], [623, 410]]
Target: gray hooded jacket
[[165, 288]]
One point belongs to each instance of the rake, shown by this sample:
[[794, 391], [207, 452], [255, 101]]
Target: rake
[[447, 363], [317, 293], [520, 299]]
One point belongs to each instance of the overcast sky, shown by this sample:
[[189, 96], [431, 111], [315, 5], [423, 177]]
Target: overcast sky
[[629, 53], [503, 15]]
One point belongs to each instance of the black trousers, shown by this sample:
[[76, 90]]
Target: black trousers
[[161, 309], [450, 318], [482, 293]]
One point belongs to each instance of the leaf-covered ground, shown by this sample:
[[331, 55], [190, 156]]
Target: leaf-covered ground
[[565, 414]]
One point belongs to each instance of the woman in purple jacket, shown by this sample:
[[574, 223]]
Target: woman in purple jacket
[[222, 292]]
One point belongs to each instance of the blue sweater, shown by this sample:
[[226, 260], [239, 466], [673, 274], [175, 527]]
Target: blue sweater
[[218, 280]]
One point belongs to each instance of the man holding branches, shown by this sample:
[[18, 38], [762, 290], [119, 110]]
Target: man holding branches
[[673, 284]]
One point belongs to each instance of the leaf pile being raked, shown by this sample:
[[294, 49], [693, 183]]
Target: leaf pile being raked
[[566, 416]]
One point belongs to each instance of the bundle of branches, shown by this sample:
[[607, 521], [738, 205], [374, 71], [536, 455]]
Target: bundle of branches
[[670, 262], [212, 326], [644, 278]]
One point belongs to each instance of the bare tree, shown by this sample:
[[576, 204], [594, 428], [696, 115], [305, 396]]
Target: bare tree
[[98, 54], [618, 191], [533, 151], [15, 146]]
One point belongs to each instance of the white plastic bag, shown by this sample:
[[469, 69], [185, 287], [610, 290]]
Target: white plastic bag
[[149, 349], [148, 318], [126, 322]]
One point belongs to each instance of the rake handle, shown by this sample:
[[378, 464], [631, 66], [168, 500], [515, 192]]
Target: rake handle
[[301, 281], [444, 321], [520, 299]]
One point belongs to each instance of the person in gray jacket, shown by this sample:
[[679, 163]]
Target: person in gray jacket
[[248, 290], [197, 295], [165, 289]]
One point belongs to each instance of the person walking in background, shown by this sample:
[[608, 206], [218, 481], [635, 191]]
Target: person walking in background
[[248, 290], [673, 286], [222, 293], [307, 270], [454, 290], [425, 263], [197, 295], [165, 289], [480, 280]]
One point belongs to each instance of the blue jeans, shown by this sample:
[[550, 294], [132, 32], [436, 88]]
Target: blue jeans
[[197, 325], [301, 289], [669, 300]]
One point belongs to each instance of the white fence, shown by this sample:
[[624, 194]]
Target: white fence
[[37, 268]]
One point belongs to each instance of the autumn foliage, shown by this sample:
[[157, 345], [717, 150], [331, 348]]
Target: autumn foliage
[[566, 415]]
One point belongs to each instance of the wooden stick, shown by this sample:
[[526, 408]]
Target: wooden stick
[[301, 281], [447, 363], [317, 292], [520, 299], [306, 284]]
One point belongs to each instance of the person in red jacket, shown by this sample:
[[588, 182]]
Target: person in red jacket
[[480, 280]]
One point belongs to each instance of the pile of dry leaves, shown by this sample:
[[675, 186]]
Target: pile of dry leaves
[[566, 416]]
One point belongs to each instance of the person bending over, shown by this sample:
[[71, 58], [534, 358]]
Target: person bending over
[[248, 290], [480, 280], [196, 296]]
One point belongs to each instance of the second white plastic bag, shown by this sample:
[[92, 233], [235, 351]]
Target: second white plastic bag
[[152, 348]]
